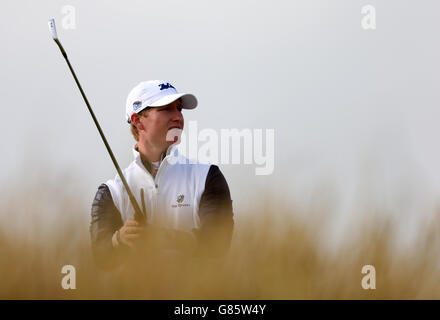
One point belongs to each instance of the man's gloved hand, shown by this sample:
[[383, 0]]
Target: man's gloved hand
[[130, 232], [133, 234]]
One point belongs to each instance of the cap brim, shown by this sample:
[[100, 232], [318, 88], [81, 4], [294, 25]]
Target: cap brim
[[189, 101]]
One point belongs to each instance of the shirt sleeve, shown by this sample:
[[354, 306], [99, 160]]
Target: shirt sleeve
[[216, 215], [106, 219]]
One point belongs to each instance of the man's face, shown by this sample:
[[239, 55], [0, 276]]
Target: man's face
[[155, 123]]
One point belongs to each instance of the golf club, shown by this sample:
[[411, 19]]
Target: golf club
[[137, 211]]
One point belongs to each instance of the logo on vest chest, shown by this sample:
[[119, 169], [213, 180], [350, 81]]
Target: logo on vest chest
[[179, 201]]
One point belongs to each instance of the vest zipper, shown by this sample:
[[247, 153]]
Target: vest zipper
[[156, 179]]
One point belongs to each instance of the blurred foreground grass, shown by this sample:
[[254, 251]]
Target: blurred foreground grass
[[270, 258]]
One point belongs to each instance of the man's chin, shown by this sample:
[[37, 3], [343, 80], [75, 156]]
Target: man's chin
[[171, 143]]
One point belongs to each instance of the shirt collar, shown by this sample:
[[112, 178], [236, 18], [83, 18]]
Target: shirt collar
[[146, 163]]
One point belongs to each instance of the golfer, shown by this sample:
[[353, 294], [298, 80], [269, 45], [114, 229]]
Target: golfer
[[178, 196]]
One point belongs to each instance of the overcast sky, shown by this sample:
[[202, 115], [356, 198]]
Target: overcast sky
[[351, 109]]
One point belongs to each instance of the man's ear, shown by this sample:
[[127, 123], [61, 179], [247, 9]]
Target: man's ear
[[136, 121]]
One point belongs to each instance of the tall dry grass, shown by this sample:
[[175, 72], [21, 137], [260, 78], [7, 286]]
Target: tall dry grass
[[269, 258]]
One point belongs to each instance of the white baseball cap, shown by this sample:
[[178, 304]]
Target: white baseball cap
[[155, 93]]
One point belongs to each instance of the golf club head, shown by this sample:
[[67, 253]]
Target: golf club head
[[52, 28]]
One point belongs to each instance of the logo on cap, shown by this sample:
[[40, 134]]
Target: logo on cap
[[137, 105], [164, 86]]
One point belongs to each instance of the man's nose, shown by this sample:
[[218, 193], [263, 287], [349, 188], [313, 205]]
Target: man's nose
[[177, 115]]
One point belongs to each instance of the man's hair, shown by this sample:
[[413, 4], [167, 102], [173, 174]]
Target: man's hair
[[133, 129]]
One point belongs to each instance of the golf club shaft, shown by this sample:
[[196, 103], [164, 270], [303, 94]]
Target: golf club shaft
[[137, 211]]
